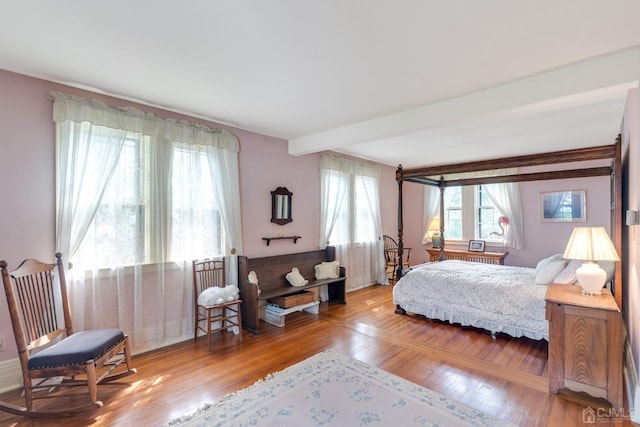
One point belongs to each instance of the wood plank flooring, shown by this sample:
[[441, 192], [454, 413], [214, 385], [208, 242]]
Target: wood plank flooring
[[505, 377]]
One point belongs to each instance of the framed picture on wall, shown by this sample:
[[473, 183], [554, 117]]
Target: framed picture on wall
[[476, 245], [563, 206]]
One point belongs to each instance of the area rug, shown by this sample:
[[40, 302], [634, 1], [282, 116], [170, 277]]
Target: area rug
[[332, 389]]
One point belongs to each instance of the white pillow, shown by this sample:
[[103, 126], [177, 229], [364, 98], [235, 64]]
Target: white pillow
[[252, 278], [295, 278], [568, 275], [545, 261], [327, 270], [549, 272]]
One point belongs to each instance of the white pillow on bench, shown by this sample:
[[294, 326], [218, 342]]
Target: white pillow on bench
[[327, 270], [295, 278]]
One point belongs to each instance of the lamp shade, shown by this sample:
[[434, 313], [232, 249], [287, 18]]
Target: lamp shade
[[435, 225], [590, 244]]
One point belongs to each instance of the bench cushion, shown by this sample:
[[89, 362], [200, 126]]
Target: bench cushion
[[77, 349]]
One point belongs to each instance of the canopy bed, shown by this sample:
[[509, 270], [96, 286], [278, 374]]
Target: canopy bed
[[521, 309]]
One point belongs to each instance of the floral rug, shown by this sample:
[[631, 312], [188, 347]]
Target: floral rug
[[332, 389]]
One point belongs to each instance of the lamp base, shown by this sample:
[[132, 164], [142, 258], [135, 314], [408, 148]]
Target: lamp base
[[436, 240], [591, 278]]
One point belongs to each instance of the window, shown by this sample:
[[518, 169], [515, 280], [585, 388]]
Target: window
[[140, 220], [350, 219], [354, 222], [487, 215], [470, 214], [137, 199]]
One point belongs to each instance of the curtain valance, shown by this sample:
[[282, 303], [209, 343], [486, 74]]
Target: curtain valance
[[76, 109], [353, 167]]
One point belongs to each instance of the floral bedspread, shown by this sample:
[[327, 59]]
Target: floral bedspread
[[498, 298]]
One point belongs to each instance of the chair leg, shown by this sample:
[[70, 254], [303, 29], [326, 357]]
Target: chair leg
[[208, 330], [127, 355], [28, 392], [195, 324], [92, 383], [239, 317]]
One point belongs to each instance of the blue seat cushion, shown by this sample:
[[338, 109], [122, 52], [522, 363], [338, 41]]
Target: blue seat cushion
[[77, 349]]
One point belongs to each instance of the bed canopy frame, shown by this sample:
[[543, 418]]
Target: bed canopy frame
[[614, 171]]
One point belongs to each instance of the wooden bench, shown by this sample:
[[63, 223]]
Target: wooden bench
[[271, 272]]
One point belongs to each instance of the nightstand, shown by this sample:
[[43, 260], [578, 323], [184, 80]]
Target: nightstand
[[585, 343]]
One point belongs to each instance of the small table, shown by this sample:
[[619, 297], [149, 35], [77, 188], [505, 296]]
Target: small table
[[585, 343], [483, 257]]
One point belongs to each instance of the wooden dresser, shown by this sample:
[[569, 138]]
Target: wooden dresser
[[483, 257], [585, 343]]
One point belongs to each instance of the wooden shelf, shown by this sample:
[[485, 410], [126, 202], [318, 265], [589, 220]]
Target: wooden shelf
[[269, 239]]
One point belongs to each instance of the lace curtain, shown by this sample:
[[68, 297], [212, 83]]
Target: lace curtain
[[350, 218], [139, 197]]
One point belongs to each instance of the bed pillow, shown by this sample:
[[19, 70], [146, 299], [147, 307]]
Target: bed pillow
[[549, 272], [568, 275], [295, 278], [609, 267], [546, 261], [327, 270]]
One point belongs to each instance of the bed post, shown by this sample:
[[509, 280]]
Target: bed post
[[441, 187], [399, 273]]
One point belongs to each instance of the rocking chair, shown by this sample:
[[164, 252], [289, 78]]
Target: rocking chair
[[51, 354]]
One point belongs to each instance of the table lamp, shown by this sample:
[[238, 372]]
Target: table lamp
[[591, 244], [434, 230]]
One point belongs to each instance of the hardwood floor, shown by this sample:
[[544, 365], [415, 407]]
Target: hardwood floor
[[505, 377]]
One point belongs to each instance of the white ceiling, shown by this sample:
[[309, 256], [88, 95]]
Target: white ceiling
[[417, 82]]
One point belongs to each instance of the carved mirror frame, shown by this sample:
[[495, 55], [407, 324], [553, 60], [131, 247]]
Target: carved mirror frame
[[281, 206]]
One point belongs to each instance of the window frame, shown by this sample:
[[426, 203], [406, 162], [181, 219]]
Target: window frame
[[470, 216]]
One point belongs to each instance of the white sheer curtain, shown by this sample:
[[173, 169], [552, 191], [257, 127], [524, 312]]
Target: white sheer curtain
[[350, 218], [505, 197], [432, 207], [227, 193], [138, 198]]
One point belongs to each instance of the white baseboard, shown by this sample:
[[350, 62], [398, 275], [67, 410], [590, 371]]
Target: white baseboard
[[10, 375], [631, 381]]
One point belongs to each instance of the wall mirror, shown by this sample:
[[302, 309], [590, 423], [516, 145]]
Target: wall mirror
[[563, 206], [281, 206]]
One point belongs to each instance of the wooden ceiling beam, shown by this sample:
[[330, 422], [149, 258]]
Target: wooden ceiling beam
[[566, 156]]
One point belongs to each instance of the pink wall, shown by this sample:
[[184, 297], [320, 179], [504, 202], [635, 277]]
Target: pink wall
[[27, 172], [544, 239], [265, 165]]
